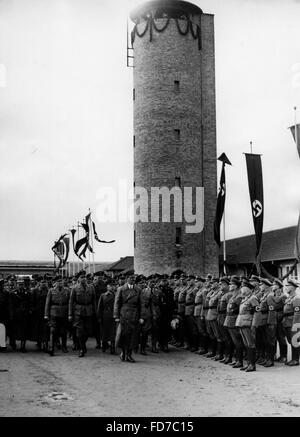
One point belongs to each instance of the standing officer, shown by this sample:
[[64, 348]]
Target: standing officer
[[105, 311], [212, 324], [275, 303], [265, 289], [199, 319], [181, 332], [280, 336], [244, 322], [127, 312], [82, 308], [41, 329], [290, 317], [256, 323], [100, 288], [232, 312], [227, 345], [167, 311], [56, 312], [191, 326]]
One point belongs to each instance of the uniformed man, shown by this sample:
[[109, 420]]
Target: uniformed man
[[248, 305], [263, 310], [181, 331], [146, 315], [232, 312], [56, 313], [226, 341], [167, 312], [20, 299], [199, 319], [100, 288], [291, 312], [275, 303], [191, 326], [41, 329], [82, 308], [211, 320], [105, 316], [127, 313], [256, 323]]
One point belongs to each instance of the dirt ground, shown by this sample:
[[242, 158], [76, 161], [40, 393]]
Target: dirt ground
[[175, 384]]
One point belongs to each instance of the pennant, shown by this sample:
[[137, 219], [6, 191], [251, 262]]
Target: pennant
[[97, 238], [66, 250], [296, 130], [255, 181]]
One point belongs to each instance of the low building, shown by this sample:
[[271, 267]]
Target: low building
[[277, 255]]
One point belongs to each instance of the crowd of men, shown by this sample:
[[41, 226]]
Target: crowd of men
[[235, 320]]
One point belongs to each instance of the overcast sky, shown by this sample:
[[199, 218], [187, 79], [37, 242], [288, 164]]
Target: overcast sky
[[66, 115]]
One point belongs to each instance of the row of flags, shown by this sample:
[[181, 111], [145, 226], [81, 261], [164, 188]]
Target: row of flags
[[81, 245], [255, 183]]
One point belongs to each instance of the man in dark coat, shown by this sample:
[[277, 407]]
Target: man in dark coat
[[20, 309], [100, 288], [105, 315], [82, 308], [56, 312], [40, 326], [127, 311], [168, 308]]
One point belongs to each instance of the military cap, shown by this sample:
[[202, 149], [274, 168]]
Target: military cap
[[209, 276], [235, 280], [247, 283], [293, 283], [254, 278], [243, 278], [89, 276], [214, 279], [277, 281], [224, 279], [266, 281]]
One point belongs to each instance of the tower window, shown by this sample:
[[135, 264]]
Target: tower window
[[176, 86], [133, 94], [178, 236], [177, 134], [133, 140], [178, 181]]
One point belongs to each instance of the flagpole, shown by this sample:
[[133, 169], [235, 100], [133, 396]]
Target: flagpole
[[224, 242], [296, 130], [92, 241]]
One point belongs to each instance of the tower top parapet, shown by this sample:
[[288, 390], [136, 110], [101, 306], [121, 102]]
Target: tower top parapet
[[172, 8]]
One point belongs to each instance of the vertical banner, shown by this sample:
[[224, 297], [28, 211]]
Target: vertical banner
[[220, 206], [255, 181], [297, 242]]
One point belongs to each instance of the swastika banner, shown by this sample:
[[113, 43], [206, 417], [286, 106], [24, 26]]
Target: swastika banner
[[255, 181]]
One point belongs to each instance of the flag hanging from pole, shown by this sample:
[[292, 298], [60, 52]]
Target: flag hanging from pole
[[97, 238], [255, 181], [221, 200], [296, 135]]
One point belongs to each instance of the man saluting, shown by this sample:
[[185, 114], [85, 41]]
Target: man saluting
[[127, 312]]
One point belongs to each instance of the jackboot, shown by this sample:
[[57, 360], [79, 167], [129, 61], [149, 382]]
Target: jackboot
[[52, 345], [219, 355], [112, 348], [251, 357], [144, 339], [129, 356], [239, 358], [270, 356], [245, 366], [295, 357]]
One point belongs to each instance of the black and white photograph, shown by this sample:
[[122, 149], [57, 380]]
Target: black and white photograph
[[150, 211]]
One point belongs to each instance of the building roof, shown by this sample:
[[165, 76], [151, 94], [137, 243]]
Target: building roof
[[277, 245], [125, 263], [171, 5]]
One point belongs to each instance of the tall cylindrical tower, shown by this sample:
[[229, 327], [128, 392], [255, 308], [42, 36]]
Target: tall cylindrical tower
[[174, 132]]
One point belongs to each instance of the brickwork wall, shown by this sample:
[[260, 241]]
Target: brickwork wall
[[159, 156]]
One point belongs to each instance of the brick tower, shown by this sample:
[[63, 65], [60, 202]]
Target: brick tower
[[174, 130]]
